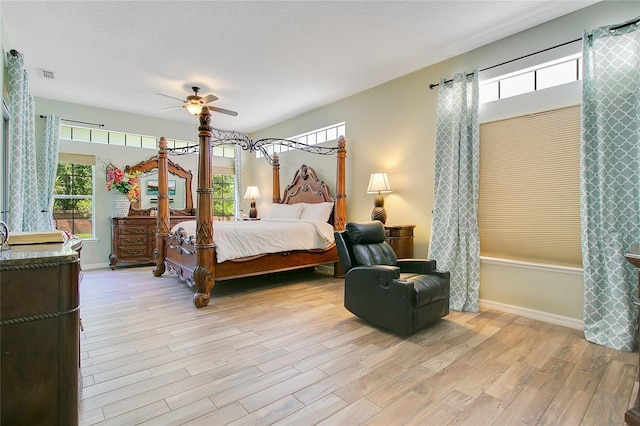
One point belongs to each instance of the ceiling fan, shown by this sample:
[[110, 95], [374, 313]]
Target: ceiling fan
[[194, 103]]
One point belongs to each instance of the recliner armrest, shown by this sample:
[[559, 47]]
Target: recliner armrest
[[384, 275], [417, 266], [421, 266]]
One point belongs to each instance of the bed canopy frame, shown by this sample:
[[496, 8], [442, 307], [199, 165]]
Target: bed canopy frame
[[207, 271]]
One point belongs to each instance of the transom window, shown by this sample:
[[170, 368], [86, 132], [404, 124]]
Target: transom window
[[83, 134], [324, 134], [550, 74]]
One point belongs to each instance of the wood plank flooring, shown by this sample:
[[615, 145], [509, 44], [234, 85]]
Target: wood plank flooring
[[283, 350]]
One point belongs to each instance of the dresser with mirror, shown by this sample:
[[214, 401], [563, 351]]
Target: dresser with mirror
[[133, 236]]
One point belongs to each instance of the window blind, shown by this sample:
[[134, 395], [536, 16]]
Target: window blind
[[67, 157], [529, 191]]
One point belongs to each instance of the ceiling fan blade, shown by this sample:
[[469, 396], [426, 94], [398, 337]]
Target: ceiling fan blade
[[172, 97], [208, 98], [222, 110], [170, 108]]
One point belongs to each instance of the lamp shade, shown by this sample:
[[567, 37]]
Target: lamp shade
[[252, 193], [378, 184]]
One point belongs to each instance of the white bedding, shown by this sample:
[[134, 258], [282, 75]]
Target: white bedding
[[235, 240]]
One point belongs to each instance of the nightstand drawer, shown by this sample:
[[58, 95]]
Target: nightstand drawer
[[400, 238]]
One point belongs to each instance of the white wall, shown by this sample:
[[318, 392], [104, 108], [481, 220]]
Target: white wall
[[392, 128]]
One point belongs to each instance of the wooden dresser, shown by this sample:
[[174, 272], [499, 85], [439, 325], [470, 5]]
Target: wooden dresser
[[632, 416], [39, 333], [400, 238], [133, 239]]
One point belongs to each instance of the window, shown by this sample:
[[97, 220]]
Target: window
[[223, 196], [313, 137], [82, 134], [542, 76], [73, 206]]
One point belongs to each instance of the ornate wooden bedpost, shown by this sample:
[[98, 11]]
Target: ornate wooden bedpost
[[203, 273], [162, 219], [340, 211], [276, 179], [340, 214]]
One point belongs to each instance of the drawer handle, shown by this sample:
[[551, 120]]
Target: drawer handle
[[133, 240]]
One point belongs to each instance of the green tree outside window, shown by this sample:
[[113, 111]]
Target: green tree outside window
[[223, 196], [73, 199]]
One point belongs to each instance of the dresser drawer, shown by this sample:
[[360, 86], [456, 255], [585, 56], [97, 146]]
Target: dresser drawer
[[129, 230], [132, 251], [132, 240]]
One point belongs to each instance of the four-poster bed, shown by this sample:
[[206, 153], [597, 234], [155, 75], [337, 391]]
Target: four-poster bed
[[193, 258]]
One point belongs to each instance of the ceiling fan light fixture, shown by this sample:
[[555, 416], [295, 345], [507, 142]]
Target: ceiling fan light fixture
[[194, 108]]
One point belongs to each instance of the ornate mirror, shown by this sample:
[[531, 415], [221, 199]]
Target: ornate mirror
[[180, 197]]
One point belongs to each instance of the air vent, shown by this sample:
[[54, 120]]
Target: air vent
[[46, 74]]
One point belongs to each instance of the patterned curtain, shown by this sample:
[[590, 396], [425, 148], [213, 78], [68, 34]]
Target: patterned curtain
[[24, 206], [455, 240], [610, 183], [47, 158], [238, 182]]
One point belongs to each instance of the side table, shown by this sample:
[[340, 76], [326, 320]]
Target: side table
[[400, 238]]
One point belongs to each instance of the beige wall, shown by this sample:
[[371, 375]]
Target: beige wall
[[392, 128]]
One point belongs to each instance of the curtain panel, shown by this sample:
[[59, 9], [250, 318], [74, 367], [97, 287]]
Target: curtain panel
[[24, 206], [610, 183], [455, 241], [47, 155]]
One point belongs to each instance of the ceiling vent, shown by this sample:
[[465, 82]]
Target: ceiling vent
[[46, 74]]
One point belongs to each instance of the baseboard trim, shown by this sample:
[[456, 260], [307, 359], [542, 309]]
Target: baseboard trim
[[95, 266], [533, 314]]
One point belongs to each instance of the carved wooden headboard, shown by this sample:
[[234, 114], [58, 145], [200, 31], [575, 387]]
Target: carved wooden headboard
[[306, 187]]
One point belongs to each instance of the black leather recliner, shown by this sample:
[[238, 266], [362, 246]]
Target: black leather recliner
[[401, 295]]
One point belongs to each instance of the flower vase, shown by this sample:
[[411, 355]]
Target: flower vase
[[122, 204]]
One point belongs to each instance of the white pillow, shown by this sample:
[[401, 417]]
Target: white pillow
[[317, 211], [284, 211]]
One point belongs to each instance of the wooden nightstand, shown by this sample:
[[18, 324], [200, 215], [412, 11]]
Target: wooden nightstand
[[400, 238]]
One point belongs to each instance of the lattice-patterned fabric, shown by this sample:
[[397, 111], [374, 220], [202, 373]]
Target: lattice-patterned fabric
[[47, 155], [610, 183], [455, 240], [23, 193]]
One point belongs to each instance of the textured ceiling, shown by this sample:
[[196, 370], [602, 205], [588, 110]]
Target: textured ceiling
[[268, 60]]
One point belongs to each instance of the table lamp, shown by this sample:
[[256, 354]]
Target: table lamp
[[253, 194], [379, 184]]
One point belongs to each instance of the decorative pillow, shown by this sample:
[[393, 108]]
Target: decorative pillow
[[284, 211], [317, 211]]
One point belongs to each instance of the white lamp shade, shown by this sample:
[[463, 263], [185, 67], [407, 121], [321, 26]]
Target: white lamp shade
[[252, 193], [378, 184]]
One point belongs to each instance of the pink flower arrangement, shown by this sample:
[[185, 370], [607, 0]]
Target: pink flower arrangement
[[125, 183]]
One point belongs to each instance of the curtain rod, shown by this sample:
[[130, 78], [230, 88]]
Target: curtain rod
[[75, 121], [612, 29], [434, 85], [14, 53]]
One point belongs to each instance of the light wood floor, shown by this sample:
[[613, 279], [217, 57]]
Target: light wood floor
[[283, 350]]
